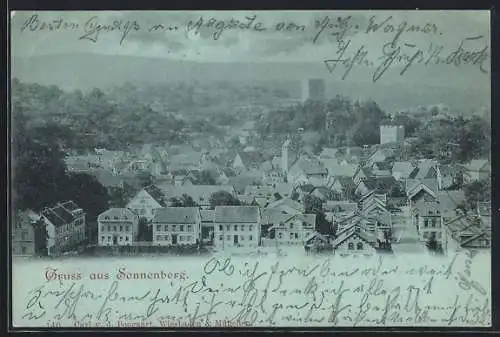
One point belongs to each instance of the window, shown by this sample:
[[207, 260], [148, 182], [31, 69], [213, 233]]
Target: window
[[23, 250], [280, 235], [426, 223], [182, 228], [114, 228], [109, 228], [109, 238], [158, 228], [128, 228], [250, 238], [115, 217], [220, 228], [228, 228], [296, 235], [433, 223], [165, 228], [359, 246], [106, 217], [291, 235], [235, 228], [121, 238], [181, 238], [190, 228], [102, 228], [350, 246], [103, 238], [126, 238], [250, 228], [121, 228], [228, 237], [242, 238], [242, 228], [291, 225], [221, 237], [174, 228]]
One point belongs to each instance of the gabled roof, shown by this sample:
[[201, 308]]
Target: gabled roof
[[477, 164], [450, 169], [250, 159], [236, 214], [427, 208], [383, 152], [345, 182], [316, 181], [256, 190], [246, 199], [62, 213], [308, 166], [177, 215], [352, 230], [274, 216], [200, 193], [283, 189], [461, 225], [342, 170], [340, 206], [326, 192], [413, 186], [286, 202], [318, 236], [424, 166], [306, 188], [405, 168], [330, 153], [449, 200], [207, 215], [380, 184], [117, 214]]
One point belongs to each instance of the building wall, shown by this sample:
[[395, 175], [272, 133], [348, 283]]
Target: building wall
[[313, 89], [350, 246], [292, 233], [63, 237], [23, 240], [429, 224], [124, 231], [391, 134], [247, 233], [186, 234], [144, 205]]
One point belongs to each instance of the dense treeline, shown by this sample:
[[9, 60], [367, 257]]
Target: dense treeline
[[85, 121], [342, 122]]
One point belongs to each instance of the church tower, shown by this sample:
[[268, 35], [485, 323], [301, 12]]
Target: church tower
[[285, 156]]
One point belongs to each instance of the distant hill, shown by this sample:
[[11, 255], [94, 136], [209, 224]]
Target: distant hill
[[420, 86]]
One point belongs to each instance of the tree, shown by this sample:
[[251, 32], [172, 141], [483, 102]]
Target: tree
[[120, 196], [187, 201], [145, 230], [87, 192], [38, 171], [206, 177], [175, 202], [433, 245], [477, 191], [223, 198], [314, 205]]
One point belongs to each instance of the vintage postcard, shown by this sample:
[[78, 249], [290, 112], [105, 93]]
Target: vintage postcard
[[214, 169]]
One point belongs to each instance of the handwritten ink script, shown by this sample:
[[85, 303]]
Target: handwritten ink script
[[374, 44], [231, 291]]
